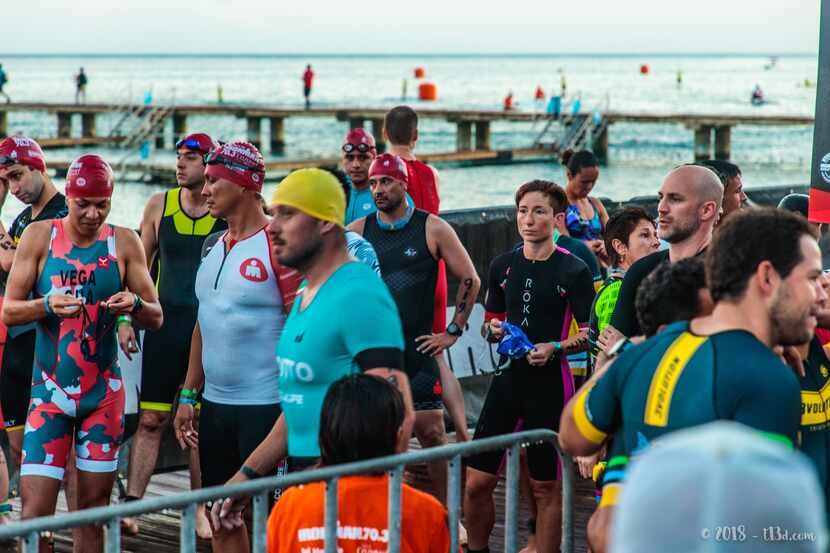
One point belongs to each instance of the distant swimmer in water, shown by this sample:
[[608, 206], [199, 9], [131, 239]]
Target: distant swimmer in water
[[508, 102], [757, 96], [679, 78]]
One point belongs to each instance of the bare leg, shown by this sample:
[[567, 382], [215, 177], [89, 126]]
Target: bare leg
[[599, 529], [453, 399], [527, 493], [39, 495], [479, 508], [202, 523], [548, 496], [4, 479], [94, 489], [70, 490], [16, 443], [144, 454], [430, 431]]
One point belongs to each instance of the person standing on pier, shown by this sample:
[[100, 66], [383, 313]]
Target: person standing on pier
[[71, 277], [308, 81], [409, 243], [3, 80], [80, 87], [23, 173], [173, 230], [400, 129]]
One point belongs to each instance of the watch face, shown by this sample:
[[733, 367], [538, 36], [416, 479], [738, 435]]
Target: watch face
[[453, 330]]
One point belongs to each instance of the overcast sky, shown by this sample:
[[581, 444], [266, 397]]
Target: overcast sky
[[423, 26]]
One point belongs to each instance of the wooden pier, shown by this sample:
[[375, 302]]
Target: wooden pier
[[712, 133]]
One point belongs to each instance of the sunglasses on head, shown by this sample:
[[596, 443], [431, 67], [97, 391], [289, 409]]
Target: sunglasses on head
[[348, 147], [213, 158]]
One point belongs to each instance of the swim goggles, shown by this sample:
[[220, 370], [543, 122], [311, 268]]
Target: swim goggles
[[213, 158], [348, 147], [8, 160], [190, 144]]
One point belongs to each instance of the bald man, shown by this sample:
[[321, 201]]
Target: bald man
[[690, 200]]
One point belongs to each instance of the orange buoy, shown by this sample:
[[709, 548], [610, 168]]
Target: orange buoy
[[644, 69], [427, 92], [420, 73]]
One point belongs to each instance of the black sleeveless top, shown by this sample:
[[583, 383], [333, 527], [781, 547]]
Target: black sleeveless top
[[410, 272], [180, 240]]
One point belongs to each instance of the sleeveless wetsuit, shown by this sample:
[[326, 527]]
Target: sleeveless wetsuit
[[678, 379], [815, 413], [241, 318], [167, 350], [410, 271], [540, 297], [422, 188], [581, 228], [18, 342], [76, 381]]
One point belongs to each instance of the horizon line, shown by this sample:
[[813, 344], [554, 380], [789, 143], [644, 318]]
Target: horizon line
[[408, 54]]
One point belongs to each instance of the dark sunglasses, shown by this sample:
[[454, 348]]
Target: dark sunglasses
[[348, 147], [94, 332], [213, 158]]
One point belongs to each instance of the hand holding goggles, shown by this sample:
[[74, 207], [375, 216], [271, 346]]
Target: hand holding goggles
[[348, 147]]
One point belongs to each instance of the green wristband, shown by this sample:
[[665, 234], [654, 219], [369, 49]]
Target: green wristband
[[189, 394], [124, 319]]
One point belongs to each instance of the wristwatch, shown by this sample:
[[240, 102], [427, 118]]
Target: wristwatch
[[454, 330]]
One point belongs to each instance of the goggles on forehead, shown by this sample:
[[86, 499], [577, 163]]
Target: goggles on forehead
[[213, 158], [190, 144]]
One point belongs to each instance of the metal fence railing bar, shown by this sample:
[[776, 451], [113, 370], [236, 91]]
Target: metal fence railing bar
[[110, 516]]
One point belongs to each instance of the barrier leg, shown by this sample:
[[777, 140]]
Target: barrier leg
[[567, 504], [511, 515], [187, 531], [395, 483], [331, 516], [454, 499], [260, 517], [113, 538]]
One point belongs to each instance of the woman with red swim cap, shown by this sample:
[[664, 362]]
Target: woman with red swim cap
[[76, 269]]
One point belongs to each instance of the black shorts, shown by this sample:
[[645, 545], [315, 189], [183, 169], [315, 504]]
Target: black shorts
[[16, 378], [228, 434], [522, 398], [424, 381], [166, 353]]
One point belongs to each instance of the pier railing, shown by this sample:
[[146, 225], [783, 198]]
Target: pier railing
[[110, 516]]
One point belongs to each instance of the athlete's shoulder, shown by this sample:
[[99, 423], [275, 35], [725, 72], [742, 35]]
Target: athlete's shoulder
[[644, 266], [502, 261], [658, 344], [211, 241]]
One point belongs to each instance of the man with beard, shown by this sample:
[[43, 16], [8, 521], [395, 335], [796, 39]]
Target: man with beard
[[173, 230], [410, 243], [319, 344], [763, 270], [689, 207]]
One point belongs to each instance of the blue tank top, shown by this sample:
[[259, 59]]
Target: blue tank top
[[581, 228]]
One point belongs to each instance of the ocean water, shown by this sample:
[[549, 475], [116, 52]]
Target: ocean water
[[639, 155]]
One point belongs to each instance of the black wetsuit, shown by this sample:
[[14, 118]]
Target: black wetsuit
[[540, 297], [19, 350], [410, 272], [167, 350]]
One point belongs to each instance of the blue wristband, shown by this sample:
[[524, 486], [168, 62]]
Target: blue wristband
[[47, 306], [187, 401], [557, 346]]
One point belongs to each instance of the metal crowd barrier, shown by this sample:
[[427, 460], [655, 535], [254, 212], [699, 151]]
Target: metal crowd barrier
[[110, 516]]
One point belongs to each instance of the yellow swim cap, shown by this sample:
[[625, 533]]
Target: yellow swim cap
[[315, 192]]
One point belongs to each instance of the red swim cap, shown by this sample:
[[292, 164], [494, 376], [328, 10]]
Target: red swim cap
[[359, 139], [388, 165], [197, 142], [240, 163], [89, 176], [22, 150]]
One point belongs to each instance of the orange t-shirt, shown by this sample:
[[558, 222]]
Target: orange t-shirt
[[296, 523]]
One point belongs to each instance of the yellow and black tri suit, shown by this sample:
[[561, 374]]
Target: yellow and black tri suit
[[166, 351], [678, 379], [815, 414]]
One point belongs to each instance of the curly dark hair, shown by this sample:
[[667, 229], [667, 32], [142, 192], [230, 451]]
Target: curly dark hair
[[748, 238], [670, 294]]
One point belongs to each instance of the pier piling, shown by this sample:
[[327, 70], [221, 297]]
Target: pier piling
[[255, 131], [482, 135], [179, 126], [4, 120], [600, 146], [377, 132], [355, 123], [277, 134], [64, 124], [703, 142], [464, 136], [87, 125], [723, 142]]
